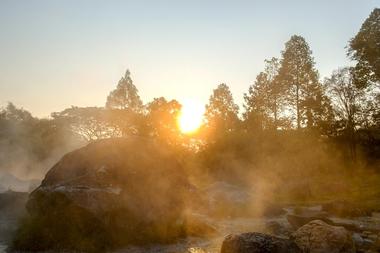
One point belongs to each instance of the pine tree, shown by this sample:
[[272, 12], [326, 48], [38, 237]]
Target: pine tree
[[365, 49], [125, 96], [221, 111], [298, 74], [264, 100]]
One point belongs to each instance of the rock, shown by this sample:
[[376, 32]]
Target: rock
[[257, 243], [343, 208], [109, 193], [318, 237], [297, 221]]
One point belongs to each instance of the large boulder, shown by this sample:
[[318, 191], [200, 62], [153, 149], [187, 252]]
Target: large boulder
[[107, 194], [257, 243], [319, 237]]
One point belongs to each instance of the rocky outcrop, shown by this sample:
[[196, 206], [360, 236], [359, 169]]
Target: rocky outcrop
[[110, 193], [319, 237], [257, 243]]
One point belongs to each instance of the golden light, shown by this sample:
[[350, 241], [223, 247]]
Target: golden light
[[190, 118]]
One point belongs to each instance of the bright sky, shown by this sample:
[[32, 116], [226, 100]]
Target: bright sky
[[58, 53]]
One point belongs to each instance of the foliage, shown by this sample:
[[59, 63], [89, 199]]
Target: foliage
[[264, 101], [221, 112], [365, 49], [125, 96], [162, 119], [298, 74], [29, 146]]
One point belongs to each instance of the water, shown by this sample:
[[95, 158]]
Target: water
[[209, 245], [224, 227], [201, 245]]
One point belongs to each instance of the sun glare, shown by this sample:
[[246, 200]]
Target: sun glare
[[190, 118]]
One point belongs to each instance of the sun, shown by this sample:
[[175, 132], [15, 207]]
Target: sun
[[190, 117]]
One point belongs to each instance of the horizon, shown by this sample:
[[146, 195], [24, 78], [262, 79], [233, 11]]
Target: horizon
[[52, 55]]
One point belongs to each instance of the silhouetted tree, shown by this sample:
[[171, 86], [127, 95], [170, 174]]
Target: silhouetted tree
[[91, 123], [221, 111], [31, 145], [365, 49], [162, 118], [298, 73], [125, 96], [264, 100], [347, 98]]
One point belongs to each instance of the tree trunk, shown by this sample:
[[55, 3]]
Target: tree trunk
[[298, 107], [275, 113]]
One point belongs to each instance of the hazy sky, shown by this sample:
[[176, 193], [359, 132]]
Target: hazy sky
[[54, 54]]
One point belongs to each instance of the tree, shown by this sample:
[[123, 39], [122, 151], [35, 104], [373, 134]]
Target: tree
[[162, 119], [298, 74], [365, 49], [30, 145], [91, 123], [347, 98], [125, 96], [256, 103], [264, 100], [221, 111]]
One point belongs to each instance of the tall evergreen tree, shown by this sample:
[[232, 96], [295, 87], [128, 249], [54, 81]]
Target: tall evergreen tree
[[221, 111], [264, 100], [365, 49], [298, 74], [125, 96]]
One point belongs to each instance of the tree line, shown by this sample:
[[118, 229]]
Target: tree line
[[287, 96]]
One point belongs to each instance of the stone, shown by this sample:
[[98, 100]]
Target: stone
[[319, 237], [257, 243]]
